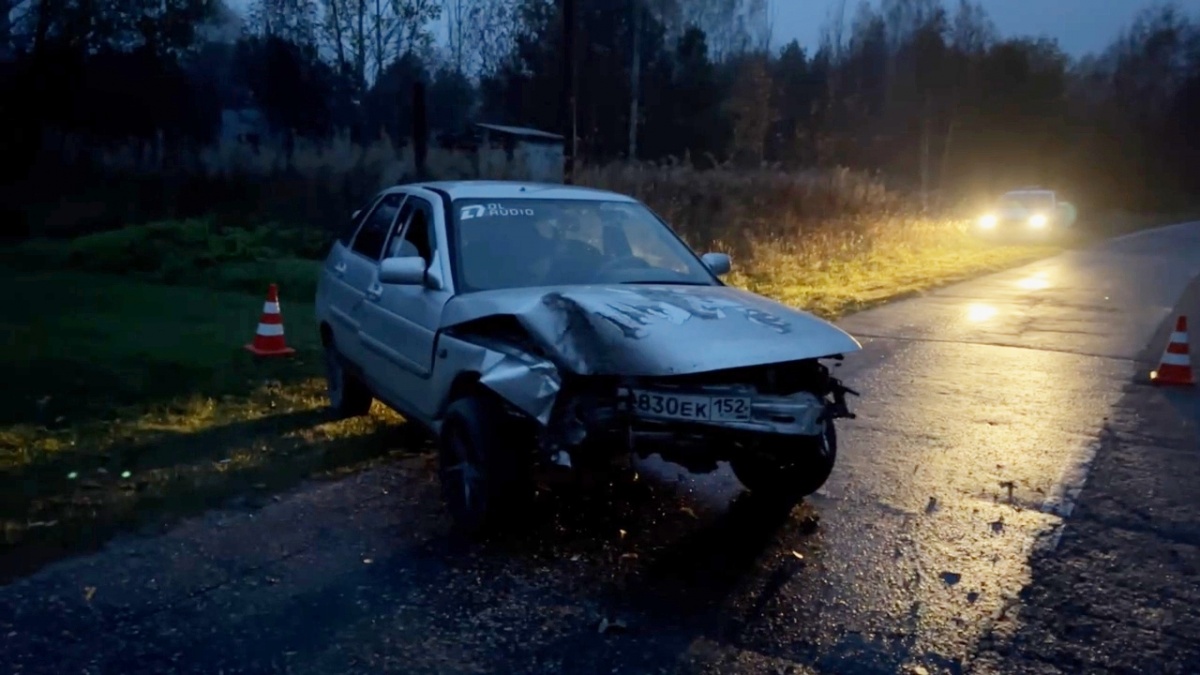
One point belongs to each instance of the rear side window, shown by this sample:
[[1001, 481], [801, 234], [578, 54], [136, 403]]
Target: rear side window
[[374, 232], [351, 226]]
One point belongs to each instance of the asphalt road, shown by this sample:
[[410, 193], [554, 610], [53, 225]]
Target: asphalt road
[[984, 406]]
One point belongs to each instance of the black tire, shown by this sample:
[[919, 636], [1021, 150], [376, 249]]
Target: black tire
[[787, 469], [484, 464], [348, 395]]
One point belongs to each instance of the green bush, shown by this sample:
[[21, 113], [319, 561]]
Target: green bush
[[194, 252], [297, 278], [36, 254], [197, 243]]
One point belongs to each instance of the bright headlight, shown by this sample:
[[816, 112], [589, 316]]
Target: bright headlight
[[1037, 220], [987, 221]]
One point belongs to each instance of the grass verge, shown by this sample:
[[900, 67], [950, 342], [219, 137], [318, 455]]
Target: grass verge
[[129, 400], [134, 399]]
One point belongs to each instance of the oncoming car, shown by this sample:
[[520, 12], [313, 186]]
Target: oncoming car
[[1029, 212], [525, 323]]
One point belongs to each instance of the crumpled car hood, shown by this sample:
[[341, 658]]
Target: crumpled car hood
[[656, 330]]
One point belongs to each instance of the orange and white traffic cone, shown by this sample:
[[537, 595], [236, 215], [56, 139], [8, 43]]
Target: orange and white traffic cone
[[268, 339], [1176, 365]]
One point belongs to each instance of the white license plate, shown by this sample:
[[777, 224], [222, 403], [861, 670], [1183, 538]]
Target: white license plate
[[693, 408]]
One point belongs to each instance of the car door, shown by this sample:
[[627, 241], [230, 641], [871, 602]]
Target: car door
[[400, 322], [334, 295], [356, 270]]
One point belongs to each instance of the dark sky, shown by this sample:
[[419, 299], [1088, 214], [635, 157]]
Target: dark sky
[[1080, 26]]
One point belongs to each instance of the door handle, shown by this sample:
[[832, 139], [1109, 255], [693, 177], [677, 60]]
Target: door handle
[[339, 269], [375, 292]]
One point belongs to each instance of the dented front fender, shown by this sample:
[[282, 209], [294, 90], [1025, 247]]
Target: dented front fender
[[527, 382]]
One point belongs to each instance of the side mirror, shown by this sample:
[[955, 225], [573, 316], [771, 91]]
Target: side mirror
[[406, 271], [719, 263]]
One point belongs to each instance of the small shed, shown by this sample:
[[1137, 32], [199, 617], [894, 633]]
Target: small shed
[[246, 125], [519, 153]]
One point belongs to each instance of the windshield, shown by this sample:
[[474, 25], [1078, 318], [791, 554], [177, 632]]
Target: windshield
[[549, 242], [1031, 201]]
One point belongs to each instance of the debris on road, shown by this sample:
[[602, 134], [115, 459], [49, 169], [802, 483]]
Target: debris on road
[[1010, 486]]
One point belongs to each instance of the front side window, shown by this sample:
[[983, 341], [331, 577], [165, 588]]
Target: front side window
[[545, 242], [395, 247], [419, 234]]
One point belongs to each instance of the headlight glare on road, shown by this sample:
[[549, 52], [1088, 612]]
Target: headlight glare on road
[[1037, 221], [987, 221]]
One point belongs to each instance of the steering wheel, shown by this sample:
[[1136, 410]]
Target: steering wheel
[[570, 261], [626, 261]]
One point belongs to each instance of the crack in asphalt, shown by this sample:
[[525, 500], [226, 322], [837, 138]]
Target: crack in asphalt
[[1135, 528], [1083, 610]]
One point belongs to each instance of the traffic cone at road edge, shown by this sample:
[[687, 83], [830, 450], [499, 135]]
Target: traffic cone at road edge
[[1176, 364], [268, 339]]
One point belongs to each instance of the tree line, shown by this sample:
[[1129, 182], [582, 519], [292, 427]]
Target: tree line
[[924, 92]]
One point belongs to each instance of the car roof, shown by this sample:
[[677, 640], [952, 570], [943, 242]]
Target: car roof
[[504, 189]]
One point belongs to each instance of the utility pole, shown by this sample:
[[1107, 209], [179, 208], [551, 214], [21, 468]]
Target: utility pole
[[420, 130], [635, 72], [925, 112], [567, 102]]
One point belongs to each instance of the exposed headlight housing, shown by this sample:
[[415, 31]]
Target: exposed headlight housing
[[1037, 221], [987, 221]]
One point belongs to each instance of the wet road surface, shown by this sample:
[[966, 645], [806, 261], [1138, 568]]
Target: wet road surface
[[983, 406], [1121, 592]]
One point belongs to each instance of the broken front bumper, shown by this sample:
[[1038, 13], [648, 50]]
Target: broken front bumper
[[609, 421], [798, 414]]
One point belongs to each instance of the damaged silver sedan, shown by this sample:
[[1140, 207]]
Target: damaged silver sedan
[[525, 323]]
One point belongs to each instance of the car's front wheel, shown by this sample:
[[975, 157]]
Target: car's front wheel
[[789, 468], [485, 463], [348, 395]]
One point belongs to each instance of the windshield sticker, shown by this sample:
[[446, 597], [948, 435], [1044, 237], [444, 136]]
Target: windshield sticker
[[492, 211]]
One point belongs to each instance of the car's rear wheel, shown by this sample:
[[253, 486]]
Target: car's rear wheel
[[348, 395], [787, 469], [485, 464]]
